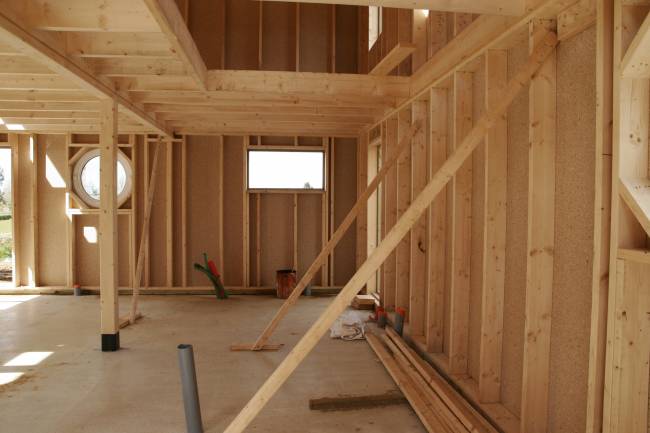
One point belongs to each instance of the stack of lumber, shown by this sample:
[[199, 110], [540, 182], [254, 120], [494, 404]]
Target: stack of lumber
[[440, 408], [363, 302]]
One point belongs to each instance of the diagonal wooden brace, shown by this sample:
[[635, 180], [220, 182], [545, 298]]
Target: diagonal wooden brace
[[399, 230]]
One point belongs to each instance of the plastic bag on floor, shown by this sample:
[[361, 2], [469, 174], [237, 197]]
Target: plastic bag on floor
[[350, 325]]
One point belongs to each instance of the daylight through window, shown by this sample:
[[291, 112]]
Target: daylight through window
[[271, 169]]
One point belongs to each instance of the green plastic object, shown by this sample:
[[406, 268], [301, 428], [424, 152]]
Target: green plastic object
[[219, 289]]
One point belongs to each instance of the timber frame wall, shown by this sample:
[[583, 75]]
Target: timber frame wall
[[505, 281]]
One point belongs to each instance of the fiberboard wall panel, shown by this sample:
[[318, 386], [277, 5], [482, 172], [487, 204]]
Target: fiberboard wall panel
[[345, 167], [574, 231], [233, 184]]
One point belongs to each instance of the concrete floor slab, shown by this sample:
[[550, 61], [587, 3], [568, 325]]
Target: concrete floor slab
[[80, 389]]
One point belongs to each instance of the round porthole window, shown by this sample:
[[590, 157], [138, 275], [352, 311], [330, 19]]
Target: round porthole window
[[85, 178]]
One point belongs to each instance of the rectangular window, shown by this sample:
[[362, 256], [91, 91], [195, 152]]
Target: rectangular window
[[374, 25], [276, 169]]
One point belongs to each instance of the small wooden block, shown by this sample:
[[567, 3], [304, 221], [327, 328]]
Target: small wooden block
[[249, 347], [124, 321]]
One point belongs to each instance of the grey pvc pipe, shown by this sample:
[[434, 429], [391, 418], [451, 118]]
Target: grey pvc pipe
[[190, 389]]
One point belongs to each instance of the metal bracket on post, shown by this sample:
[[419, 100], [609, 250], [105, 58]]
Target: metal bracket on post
[[190, 389]]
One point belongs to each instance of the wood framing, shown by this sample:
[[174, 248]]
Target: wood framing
[[391, 240], [108, 252], [541, 241]]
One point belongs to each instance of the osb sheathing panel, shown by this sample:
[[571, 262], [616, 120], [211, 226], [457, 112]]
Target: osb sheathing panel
[[279, 36], [233, 185], [314, 37], [309, 231], [202, 204], [516, 238], [276, 235], [158, 222], [345, 169], [24, 209], [575, 159], [242, 36], [205, 24], [52, 236], [478, 196], [346, 31]]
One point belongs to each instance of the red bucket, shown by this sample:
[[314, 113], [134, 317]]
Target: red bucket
[[286, 281]]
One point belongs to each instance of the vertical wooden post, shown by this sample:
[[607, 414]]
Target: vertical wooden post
[[33, 155], [332, 208], [362, 184], [184, 212], [220, 259], [17, 277], [133, 216], [494, 233], [245, 217], [108, 253], [389, 278], [145, 190], [169, 211], [541, 242], [418, 234], [325, 211], [461, 231], [403, 253], [437, 228]]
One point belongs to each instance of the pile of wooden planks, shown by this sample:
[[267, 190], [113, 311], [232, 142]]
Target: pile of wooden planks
[[439, 406]]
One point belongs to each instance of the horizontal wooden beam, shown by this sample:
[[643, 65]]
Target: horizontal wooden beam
[[86, 15], [173, 26], [397, 55], [308, 83], [136, 66], [43, 47], [495, 7], [108, 45], [217, 109], [636, 62]]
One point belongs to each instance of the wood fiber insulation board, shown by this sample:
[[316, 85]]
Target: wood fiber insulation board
[[574, 231], [478, 209], [276, 235], [206, 24], [309, 232], [87, 250], [158, 222], [24, 209], [177, 211], [278, 36], [516, 236], [346, 32], [52, 233], [242, 38], [202, 204], [314, 39], [233, 185], [345, 193]]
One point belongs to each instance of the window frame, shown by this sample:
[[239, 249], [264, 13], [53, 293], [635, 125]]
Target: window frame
[[294, 149], [80, 191]]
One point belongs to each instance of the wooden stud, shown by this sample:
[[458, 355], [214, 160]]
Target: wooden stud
[[133, 215], [245, 217], [34, 220], [494, 233], [108, 250], [461, 231], [418, 234], [220, 200], [403, 252], [169, 212], [541, 242], [325, 214], [389, 278], [17, 276], [332, 208], [437, 227], [147, 248], [184, 211], [401, 228]]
